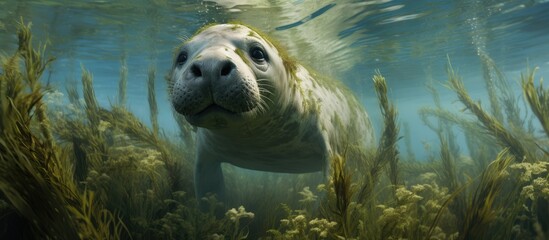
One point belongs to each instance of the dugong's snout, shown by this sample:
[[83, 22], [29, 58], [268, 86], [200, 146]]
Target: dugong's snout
[[211, 69], [215, 79]]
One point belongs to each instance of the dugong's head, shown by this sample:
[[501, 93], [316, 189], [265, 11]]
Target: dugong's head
[[227, 75]]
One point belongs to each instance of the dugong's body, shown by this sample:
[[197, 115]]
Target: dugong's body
[[257, 109]]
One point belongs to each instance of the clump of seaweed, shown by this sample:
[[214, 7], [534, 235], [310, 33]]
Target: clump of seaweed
[[491, 124], [236, 229], [341, 181], [391, 129], [387, 152], [34, 178], [153, 108], [133, 168], [488, 69], [482, 209], [299, 225], [448, 148], [537, 97]]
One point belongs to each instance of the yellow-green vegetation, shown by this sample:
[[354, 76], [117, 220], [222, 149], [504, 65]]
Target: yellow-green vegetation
[[242, 56], [36, 181], [153, 106], [489, 122], [538, 98], [86, 171]]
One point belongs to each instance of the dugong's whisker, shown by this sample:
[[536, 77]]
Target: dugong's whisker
[[263, 81], [263, 90], [261, 107], [262, 86], [267, 98], [266, 95], [261, 110]]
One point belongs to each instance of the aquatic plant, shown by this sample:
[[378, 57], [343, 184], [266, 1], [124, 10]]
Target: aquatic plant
[[491, 124], [341, 181], [449, 151], [408, 142], [133, 168], [299, 225], [153, 108], [398, 220], [491, 81], [34, 66], [391, 129], [35, 178], [387, 152], [102, 159], [516, 138], [236, 230], [482, 210], [537, 97]]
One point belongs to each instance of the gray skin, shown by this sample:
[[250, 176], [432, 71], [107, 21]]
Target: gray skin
[[257, 110]]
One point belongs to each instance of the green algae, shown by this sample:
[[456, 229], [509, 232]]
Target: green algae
[[242, 56]]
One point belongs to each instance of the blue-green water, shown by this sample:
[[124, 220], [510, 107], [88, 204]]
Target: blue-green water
[[408, 41]]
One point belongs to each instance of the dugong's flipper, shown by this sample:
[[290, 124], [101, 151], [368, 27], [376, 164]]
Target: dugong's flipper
[[208, 176]]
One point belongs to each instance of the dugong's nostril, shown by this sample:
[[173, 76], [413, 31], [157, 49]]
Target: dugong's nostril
[[196, 70], [227, 68]]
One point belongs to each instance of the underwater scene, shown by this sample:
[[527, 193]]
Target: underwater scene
[[269, 119]]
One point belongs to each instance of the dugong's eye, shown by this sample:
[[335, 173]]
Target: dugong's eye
[[257, 54], [181, 58]]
